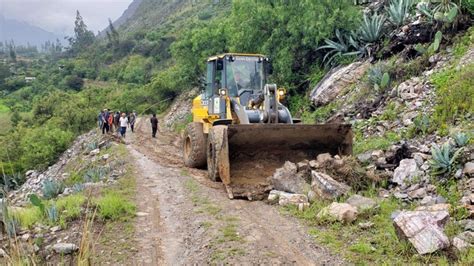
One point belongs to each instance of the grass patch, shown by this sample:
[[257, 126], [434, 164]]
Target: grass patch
[[114, 206], [69, 207], [454, 97], [462, 43], [27, 217], [180, 126], [375, 143], [320, 115]]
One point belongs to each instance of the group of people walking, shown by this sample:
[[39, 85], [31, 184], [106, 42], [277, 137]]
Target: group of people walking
[[116, 121], [110, 122]]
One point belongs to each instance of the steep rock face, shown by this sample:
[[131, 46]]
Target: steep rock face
[[336, 80]]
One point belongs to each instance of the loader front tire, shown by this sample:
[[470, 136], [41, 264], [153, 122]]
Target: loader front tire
[[213, 145], [194, 146]]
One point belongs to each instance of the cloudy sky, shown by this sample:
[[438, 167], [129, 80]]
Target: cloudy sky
[[58, 15]]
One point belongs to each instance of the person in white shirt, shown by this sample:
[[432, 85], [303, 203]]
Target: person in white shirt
[[123, 125]]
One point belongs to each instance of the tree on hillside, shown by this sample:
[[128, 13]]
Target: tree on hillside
[[82, 36], [112, 35], [12, 53]]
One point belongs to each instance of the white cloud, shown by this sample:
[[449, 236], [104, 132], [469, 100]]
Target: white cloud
[[58, 15]]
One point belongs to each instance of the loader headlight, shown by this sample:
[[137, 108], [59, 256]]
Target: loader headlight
[[222, 92], [281, 92]]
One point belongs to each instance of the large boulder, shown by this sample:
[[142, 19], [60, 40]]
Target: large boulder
[[423, 229], [288, 179], [341, 212], [326, 187], [405, 172], [336, 81]]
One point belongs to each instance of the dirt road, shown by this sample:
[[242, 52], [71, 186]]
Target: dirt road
[[184, 219]]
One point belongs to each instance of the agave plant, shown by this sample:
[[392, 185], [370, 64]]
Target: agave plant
[[378, 78], [399, 11], [461, 139], [52, 214], [371, 29], [443, 159], [338, 48], [52, 188]]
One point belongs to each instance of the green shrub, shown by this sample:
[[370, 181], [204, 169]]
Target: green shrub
[[115, 206]]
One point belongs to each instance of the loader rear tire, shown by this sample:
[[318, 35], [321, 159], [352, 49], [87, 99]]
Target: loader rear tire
[[194, 146]]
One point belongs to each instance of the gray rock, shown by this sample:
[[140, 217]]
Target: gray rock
[[312, 196], [424, 230], [342, 212], [460, 244], [400, 195], [65, 248], [324, 158], [303, 166], [468, 168], [428, 200], [394, 214], [376, 154], [467, 236], [366, 225], [364, 157], [326, 187], [105, 157], [3, 254], [405, 172], [418, 193], [284, 198], [435, 208], [314, 164], [287, 179], [468, 225], [361, 203], [94, 152], [440, 199], [336, 81]]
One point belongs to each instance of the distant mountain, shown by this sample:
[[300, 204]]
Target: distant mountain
[[147, 15], [24, 33]]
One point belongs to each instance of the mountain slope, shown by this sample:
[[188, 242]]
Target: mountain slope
[[24, 33]]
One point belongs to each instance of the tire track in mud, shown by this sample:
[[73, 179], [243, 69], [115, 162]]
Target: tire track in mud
[[186, 226]]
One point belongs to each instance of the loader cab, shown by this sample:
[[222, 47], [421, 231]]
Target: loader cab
[[236, 75]]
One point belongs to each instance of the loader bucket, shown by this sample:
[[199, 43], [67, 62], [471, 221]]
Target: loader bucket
[[255, 151]]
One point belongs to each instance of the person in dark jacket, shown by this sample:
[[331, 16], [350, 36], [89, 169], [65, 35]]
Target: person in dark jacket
[[132, 119], [154, 125], [117, 121], [105, 121], [99, 119]]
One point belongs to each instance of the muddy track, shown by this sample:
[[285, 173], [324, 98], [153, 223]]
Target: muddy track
[[187, 219]]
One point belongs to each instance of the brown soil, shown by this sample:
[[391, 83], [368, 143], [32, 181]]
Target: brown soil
[[187, 219]]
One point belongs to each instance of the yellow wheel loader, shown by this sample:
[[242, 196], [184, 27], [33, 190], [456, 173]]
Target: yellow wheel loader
[[242, 132]]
